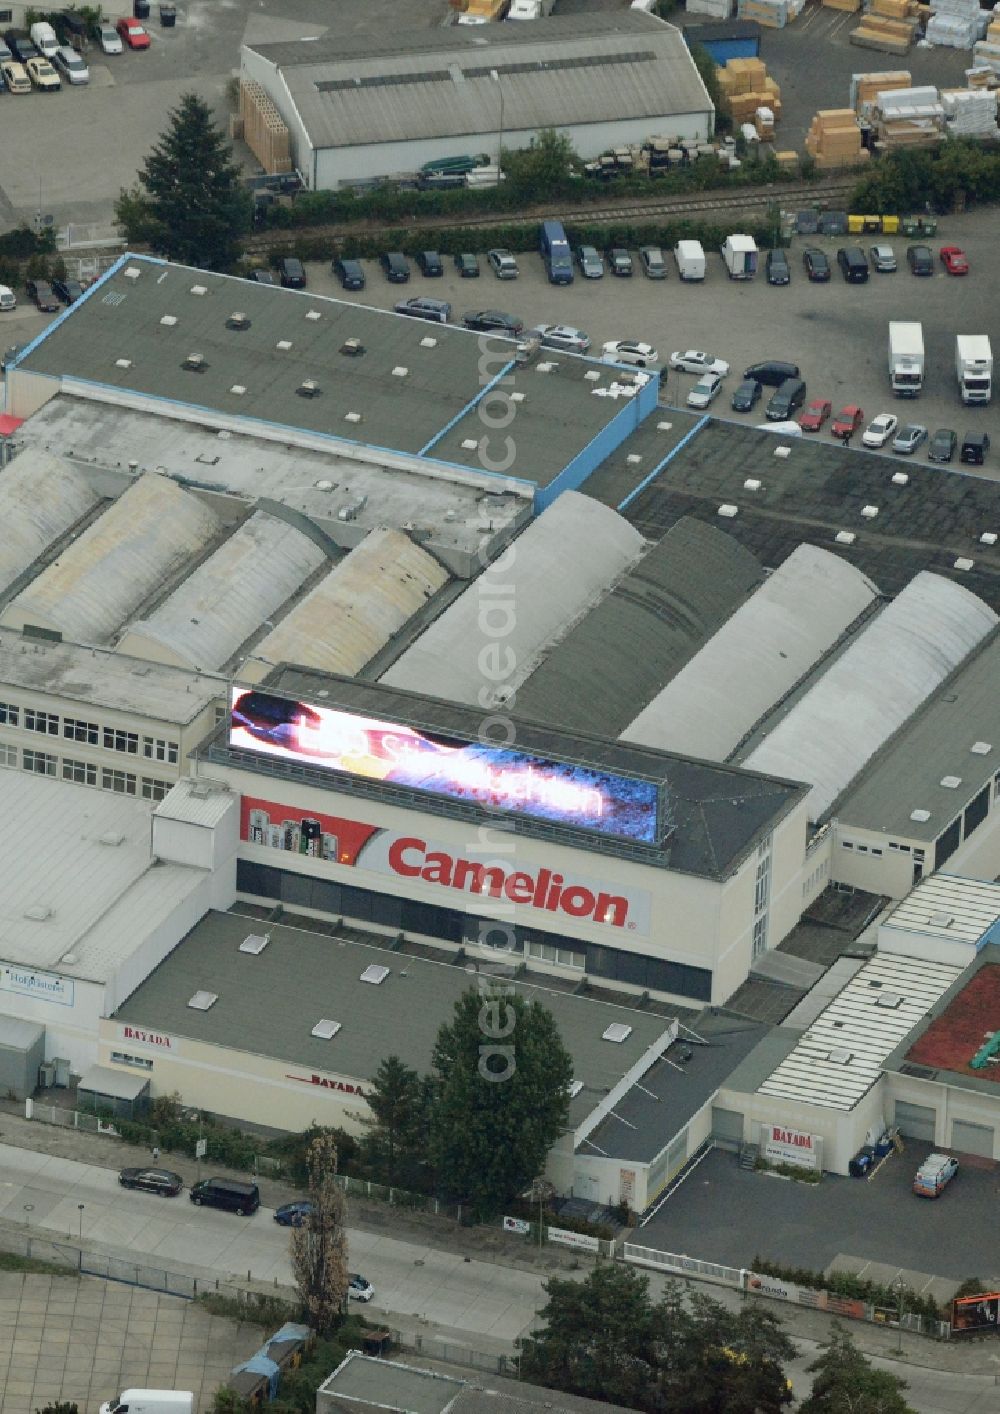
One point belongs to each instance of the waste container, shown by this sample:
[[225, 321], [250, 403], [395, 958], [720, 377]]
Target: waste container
[[140, 9], [168, 15], [62, 1066], [46, 1075]]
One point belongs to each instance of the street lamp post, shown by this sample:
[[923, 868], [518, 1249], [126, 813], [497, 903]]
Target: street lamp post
[[79, 1208], [541, 1191], [29, 1208], [899, 1285]]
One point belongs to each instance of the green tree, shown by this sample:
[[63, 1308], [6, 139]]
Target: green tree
[[845, 1383], [60, 1407], [501, 1096], [189, 203], [543, 168], [227, 1401], [395, 1142], [709, 74], [319, 1246]]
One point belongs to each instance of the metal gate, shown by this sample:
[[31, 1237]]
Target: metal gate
[[972, 1138], [915, 1121]]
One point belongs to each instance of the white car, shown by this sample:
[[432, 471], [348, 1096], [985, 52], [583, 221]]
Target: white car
[[359, 1288], [878, 431], [704, 391], [630, 351], [8, 299], [109, 39], [691, 361], [562, 336]]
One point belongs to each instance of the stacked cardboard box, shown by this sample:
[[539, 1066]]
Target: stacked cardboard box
[[746, 86], [764, 123], [970, 112], [865, 88], [893, 9], [986, 55], [773, 14], [834, 139], [909, 117], [850, 5], [717, 9], [264, 128], [890, 36]]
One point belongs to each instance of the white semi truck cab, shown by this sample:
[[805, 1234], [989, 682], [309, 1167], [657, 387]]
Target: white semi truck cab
[[906, 358], [974, 367]]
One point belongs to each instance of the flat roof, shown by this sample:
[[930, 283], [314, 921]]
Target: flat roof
[[269, 1002], [100, 677], [716, 813], [948, 906], [436, 82], [941, 758], [821, 489], [413, 388], [943, 1043]]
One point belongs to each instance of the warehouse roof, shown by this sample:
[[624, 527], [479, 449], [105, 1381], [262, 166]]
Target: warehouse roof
[[266, 360], [561, 564], [227, 598], [41, 499], [641, 633], [948, 906], [781, 632], [938, 760], [945, 1041], [97, 677], [873, 687], [932, 520], [131, 551], [441, 82], [270, 1001]]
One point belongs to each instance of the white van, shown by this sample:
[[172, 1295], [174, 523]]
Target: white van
[[150, 1401], [8, 300], [690, 258], [43, 37]]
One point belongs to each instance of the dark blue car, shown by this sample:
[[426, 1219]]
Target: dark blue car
[[293, 1214]]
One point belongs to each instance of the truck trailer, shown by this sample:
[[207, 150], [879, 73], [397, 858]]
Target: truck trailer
[[906, 358], [740, 256], [974, 367]]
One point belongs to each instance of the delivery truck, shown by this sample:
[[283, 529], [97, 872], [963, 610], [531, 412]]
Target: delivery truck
[[690, 260], [740, 256], [906, 358], [150, 1401], [974, 367]]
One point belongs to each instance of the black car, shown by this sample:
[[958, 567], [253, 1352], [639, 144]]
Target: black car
[[777, 269], [69, 291], [43, 295], [817, 265], [773, 373], [161, 1181], [788, 398], [493, 321], [349, 273], [853, 264], [430, 263], [619, 261], [292, 273], [941, 447], [395, 266], [747, 396], [920, 259], [229, 1193], [438, 311], [467, 265], [263, 277], [975, 445], [21, 46]]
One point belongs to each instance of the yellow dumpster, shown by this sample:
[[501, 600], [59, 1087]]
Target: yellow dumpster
[[855, 225], [890, 225]]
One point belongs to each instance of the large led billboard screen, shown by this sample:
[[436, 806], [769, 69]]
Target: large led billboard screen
[[496, 777]]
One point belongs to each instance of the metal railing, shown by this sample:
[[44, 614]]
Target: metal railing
[[682, 1265]]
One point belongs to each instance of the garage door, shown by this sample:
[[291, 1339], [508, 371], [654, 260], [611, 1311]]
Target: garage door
[[915, 1121], [972, 1138], [727, 1125]]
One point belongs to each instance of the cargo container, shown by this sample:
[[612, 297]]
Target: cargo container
[[906, 358], [740, 256], [974, 367]]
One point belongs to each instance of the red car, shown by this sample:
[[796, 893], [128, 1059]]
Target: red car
[[132, 32], [847, 421], [954, 261], [815, 415]]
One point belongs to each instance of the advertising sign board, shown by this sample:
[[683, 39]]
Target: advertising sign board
[[779, 1145]]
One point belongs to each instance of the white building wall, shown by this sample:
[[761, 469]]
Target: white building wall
[[950, 1103], [842, 1131], [863, 859], [70, 1029]]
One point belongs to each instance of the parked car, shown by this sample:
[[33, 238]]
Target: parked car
[[493, 321], [853, 264], [630, 351], [817, 265], [620, 262], [883, 259], [132, 33], [975, 445], [784, 401], [8, 299], [909, 438], [430, 263], [467, 265], [438, 311], [41, 292], [777, 268], [15, 77], [589, 260], [161, 1181], [954, 260], [350, 273], [934, 1175], [359, 1288], [562, 336], [229, 1193], [108, 38], [5, 53], [941, 447], [815, 415], [69, 291], [43, 75], [705, 391], [847, 422], [693, 361], [22, 47], [880, 429], [43, 37], [293, 1214], [395, 266], [772, 373], [654, 266], [746, 397], [70, 65], [920, 259], [291, 273], [503, 264], [263, 277]]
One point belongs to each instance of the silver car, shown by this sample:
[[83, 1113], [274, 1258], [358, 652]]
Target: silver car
[[883, 259], [909, 438], [590, 262], [503, 264], [704, 391], [562, 336]]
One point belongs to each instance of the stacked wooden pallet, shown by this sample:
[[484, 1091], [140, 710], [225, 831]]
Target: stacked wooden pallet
[[264, 128], [890, 36], [834, 139], [852, 6], [865, 88], [980, 76], [746, 87], [772, 14], [909, 117]]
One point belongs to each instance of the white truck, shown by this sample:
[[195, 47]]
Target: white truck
[[906, 358], [740, 256], [530, 9], [974, 367], [690, 258], [151, 1401]]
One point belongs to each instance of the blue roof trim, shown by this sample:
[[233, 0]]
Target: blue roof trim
[[658, 468]]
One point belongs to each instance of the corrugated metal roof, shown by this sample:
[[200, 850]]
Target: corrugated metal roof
[[228, 597], [41, 498], [947, 906], [796, 615], [565, 560], [124, 556], [355, 610], [439, 82], [196, 802], [103, 1080], [868, 692], [840, 1056]]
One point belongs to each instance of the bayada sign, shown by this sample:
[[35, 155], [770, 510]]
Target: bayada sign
[[789, 1146]]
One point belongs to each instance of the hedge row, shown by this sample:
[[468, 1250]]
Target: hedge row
[[845, 1284]]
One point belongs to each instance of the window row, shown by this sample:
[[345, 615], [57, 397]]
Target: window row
[[139, 1062], [84, 773], [152, 748]]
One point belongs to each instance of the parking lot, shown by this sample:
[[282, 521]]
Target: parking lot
[[723, 1213]]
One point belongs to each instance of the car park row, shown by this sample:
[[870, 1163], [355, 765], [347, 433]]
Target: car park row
[[36, 59]]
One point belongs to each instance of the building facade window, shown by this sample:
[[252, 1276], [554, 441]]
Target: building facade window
[[117, 740], [84, 773], [45, 722], [121, 782], [548, 952], [76, 730], [154, 749], [139, 1062], [9, 714], [8, 755], [153, 789], [39, 762]]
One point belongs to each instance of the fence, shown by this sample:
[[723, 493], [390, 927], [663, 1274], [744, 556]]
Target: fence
[[507, 1365], [398, 1197], [682, 1265]]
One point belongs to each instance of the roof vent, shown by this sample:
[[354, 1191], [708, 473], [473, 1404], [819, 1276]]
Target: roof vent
[[239, 389], [728, 511], [889, 1001], [869, 512], [545, 367], [951, 782], [845, 537], [517, 397], [352, 417], [782, 452], [284, 345], [313, 314], [113, 838], [238, 320], [195, 363], [323, 485], [841, 1057], [203, 1001], [38, 912], [900, 478], [199, 289], [963, 564], [941, 919], [592, 375], [981, 748], [325, 1030], [633, 459], [309, 389], [469, 444], [664, 427], [132, 273], [169, 319], [70, 960], [123, 363], [751, 484], [618, 1032], [573, 1088], [920, 816], [400, 371], [352, 348], [375, 974], [255, 943], [988, 537]]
